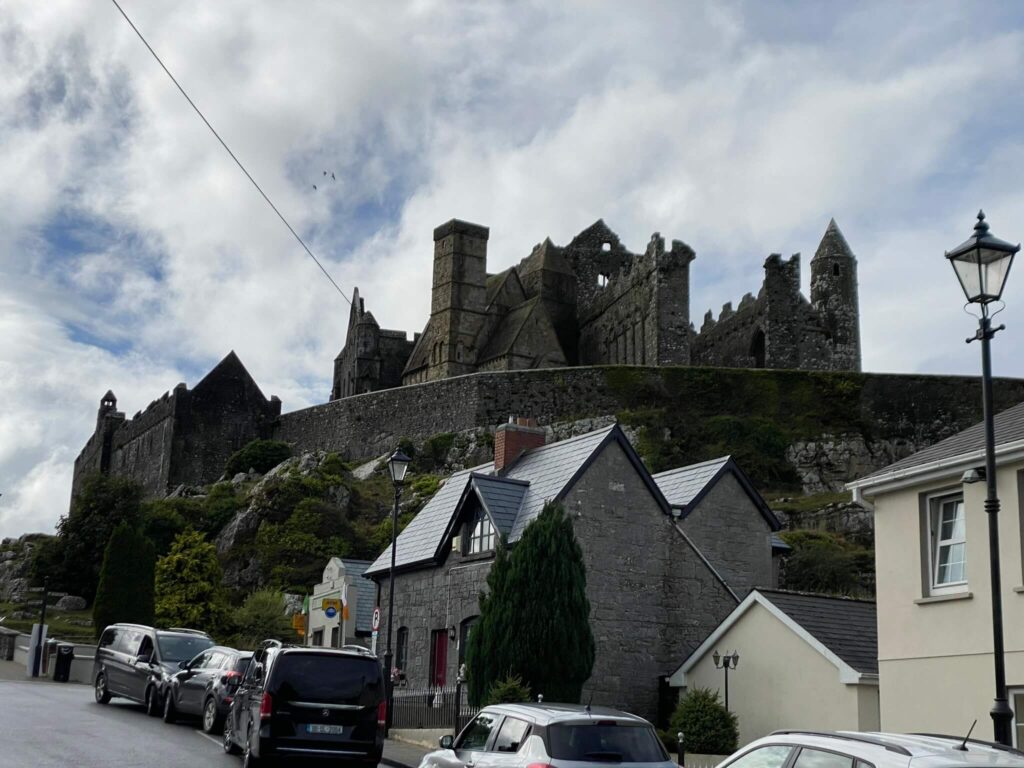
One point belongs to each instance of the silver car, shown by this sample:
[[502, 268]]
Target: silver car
[[551, 735]]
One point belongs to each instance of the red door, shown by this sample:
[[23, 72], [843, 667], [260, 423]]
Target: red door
[[438, 657]]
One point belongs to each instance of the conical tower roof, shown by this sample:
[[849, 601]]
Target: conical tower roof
[[833, 244]]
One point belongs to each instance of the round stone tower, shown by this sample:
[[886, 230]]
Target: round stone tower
[[834, 296]]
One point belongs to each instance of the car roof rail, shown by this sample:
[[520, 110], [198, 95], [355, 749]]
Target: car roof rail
[[899, 749], [990, 744], [271, 643], [187, 631], [360, 649]]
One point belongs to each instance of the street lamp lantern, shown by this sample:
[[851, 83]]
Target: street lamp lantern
[[982, 263], [398, 465], [727, 662]]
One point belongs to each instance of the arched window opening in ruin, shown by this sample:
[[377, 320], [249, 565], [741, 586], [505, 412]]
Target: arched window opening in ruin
[[602, 280], [757, 348], [835, 270], [458, 352], [606, 247]]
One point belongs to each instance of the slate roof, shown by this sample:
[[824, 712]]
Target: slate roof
[[511, 325], [847, 627], [545, 473], [365, 592], [502, 498], [682, 485], [1009, 426]]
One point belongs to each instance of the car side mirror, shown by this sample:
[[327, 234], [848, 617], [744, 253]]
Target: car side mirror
[[447, 741], [182, 665], [223, 679]]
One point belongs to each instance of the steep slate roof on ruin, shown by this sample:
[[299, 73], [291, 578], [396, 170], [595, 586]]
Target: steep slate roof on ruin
[[547, 256], [230, 366], [366, 594], [1009, 427], [503, 340], [499, 282], [833, 243], [684, 487], [547, 472]]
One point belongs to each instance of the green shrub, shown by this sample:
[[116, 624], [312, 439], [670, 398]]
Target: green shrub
[[261, 455], [261, 617], [708, 728], [825, 562], [508, 690]]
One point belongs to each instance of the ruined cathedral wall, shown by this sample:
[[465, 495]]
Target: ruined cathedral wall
[[621, 326], [141, 448], [733, 340]]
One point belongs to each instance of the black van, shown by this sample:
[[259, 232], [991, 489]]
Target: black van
[[136, 662], [308, 704]]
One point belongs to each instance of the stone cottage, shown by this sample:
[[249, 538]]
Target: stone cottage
[[667, 556]]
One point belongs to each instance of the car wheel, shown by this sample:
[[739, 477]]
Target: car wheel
[[212, 720], [101, 692], [170, 714], [249, 760], [228, 742], [152, 702]]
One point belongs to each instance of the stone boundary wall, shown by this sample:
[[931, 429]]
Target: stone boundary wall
[[908, 410]]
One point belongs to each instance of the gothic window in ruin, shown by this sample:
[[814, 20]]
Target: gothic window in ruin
[[757, 348], [602, 280], [458, 352], [606, 247], [835, 270]]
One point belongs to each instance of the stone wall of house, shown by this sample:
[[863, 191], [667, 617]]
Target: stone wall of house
[[652, 599], [733, 534]]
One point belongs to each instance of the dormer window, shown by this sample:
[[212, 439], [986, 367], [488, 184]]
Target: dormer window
[[480, 534]]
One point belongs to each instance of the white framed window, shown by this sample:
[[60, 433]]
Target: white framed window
[[947, 537], [481, 534]]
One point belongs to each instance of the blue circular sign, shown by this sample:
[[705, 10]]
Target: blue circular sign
[[331, 612]]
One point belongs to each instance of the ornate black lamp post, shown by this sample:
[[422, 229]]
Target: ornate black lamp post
[[982, 264], [398, 464], [726, 662]]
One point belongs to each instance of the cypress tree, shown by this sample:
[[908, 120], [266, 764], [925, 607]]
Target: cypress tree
[[125, 590], [535, 619]]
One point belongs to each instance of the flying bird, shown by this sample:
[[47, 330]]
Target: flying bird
[[332, 176], [314, 186], [325, 173]]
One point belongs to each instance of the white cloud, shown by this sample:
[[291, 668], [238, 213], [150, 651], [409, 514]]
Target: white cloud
[[738, 128]]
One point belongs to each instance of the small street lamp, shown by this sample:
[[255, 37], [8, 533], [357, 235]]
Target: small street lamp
[[982, 263], [726, 662], [398, 465]]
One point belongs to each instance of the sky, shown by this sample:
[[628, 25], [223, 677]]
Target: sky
[[134, 254]]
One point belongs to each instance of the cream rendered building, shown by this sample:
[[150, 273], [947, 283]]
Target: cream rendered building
[[933, 583], [342, 578], [805, 661]]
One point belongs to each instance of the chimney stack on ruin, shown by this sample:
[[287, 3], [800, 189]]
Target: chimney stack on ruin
[[513, 439]]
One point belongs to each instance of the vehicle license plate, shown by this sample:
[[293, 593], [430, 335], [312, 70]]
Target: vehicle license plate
[[334, 730]]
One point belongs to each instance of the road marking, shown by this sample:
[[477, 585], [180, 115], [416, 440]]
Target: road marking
[[208, 736]]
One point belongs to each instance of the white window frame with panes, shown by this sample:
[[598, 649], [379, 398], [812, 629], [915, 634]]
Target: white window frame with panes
[[947, 544], [480, 534]]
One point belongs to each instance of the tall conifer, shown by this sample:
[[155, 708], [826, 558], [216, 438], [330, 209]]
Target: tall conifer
[[535, 619], [125, 590]]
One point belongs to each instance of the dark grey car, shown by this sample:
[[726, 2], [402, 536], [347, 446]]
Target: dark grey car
[[206, 686], [136, 662]]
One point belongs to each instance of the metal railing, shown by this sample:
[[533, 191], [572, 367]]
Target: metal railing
[[435, 708]]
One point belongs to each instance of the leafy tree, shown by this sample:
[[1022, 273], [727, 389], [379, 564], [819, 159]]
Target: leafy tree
[[162, 524], [509, 690], [294, 552], [825, 562], [189, 592], [708, 727], [261, 455], [547, 641], [102, 504], [261, 617], [125, 591]]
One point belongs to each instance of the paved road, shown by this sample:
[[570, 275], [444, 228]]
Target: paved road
[[49, 725]]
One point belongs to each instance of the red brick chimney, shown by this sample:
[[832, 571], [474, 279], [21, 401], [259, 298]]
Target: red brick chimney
[[512, 439]]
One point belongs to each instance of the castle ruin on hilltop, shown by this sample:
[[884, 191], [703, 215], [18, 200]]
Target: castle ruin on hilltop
[[593, 302]]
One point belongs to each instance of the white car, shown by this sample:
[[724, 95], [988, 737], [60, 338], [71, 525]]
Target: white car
[[551, 736], [851, 749]]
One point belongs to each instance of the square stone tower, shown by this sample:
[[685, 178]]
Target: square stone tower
[[458, 299]]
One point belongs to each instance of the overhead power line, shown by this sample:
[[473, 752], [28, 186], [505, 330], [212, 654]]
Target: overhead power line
[[232, 154]]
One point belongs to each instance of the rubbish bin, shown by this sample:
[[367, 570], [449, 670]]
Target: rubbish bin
[[65, 655]]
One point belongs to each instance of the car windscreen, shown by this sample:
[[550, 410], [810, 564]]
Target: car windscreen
[[605, 741], [175, 648], [327, 678]]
